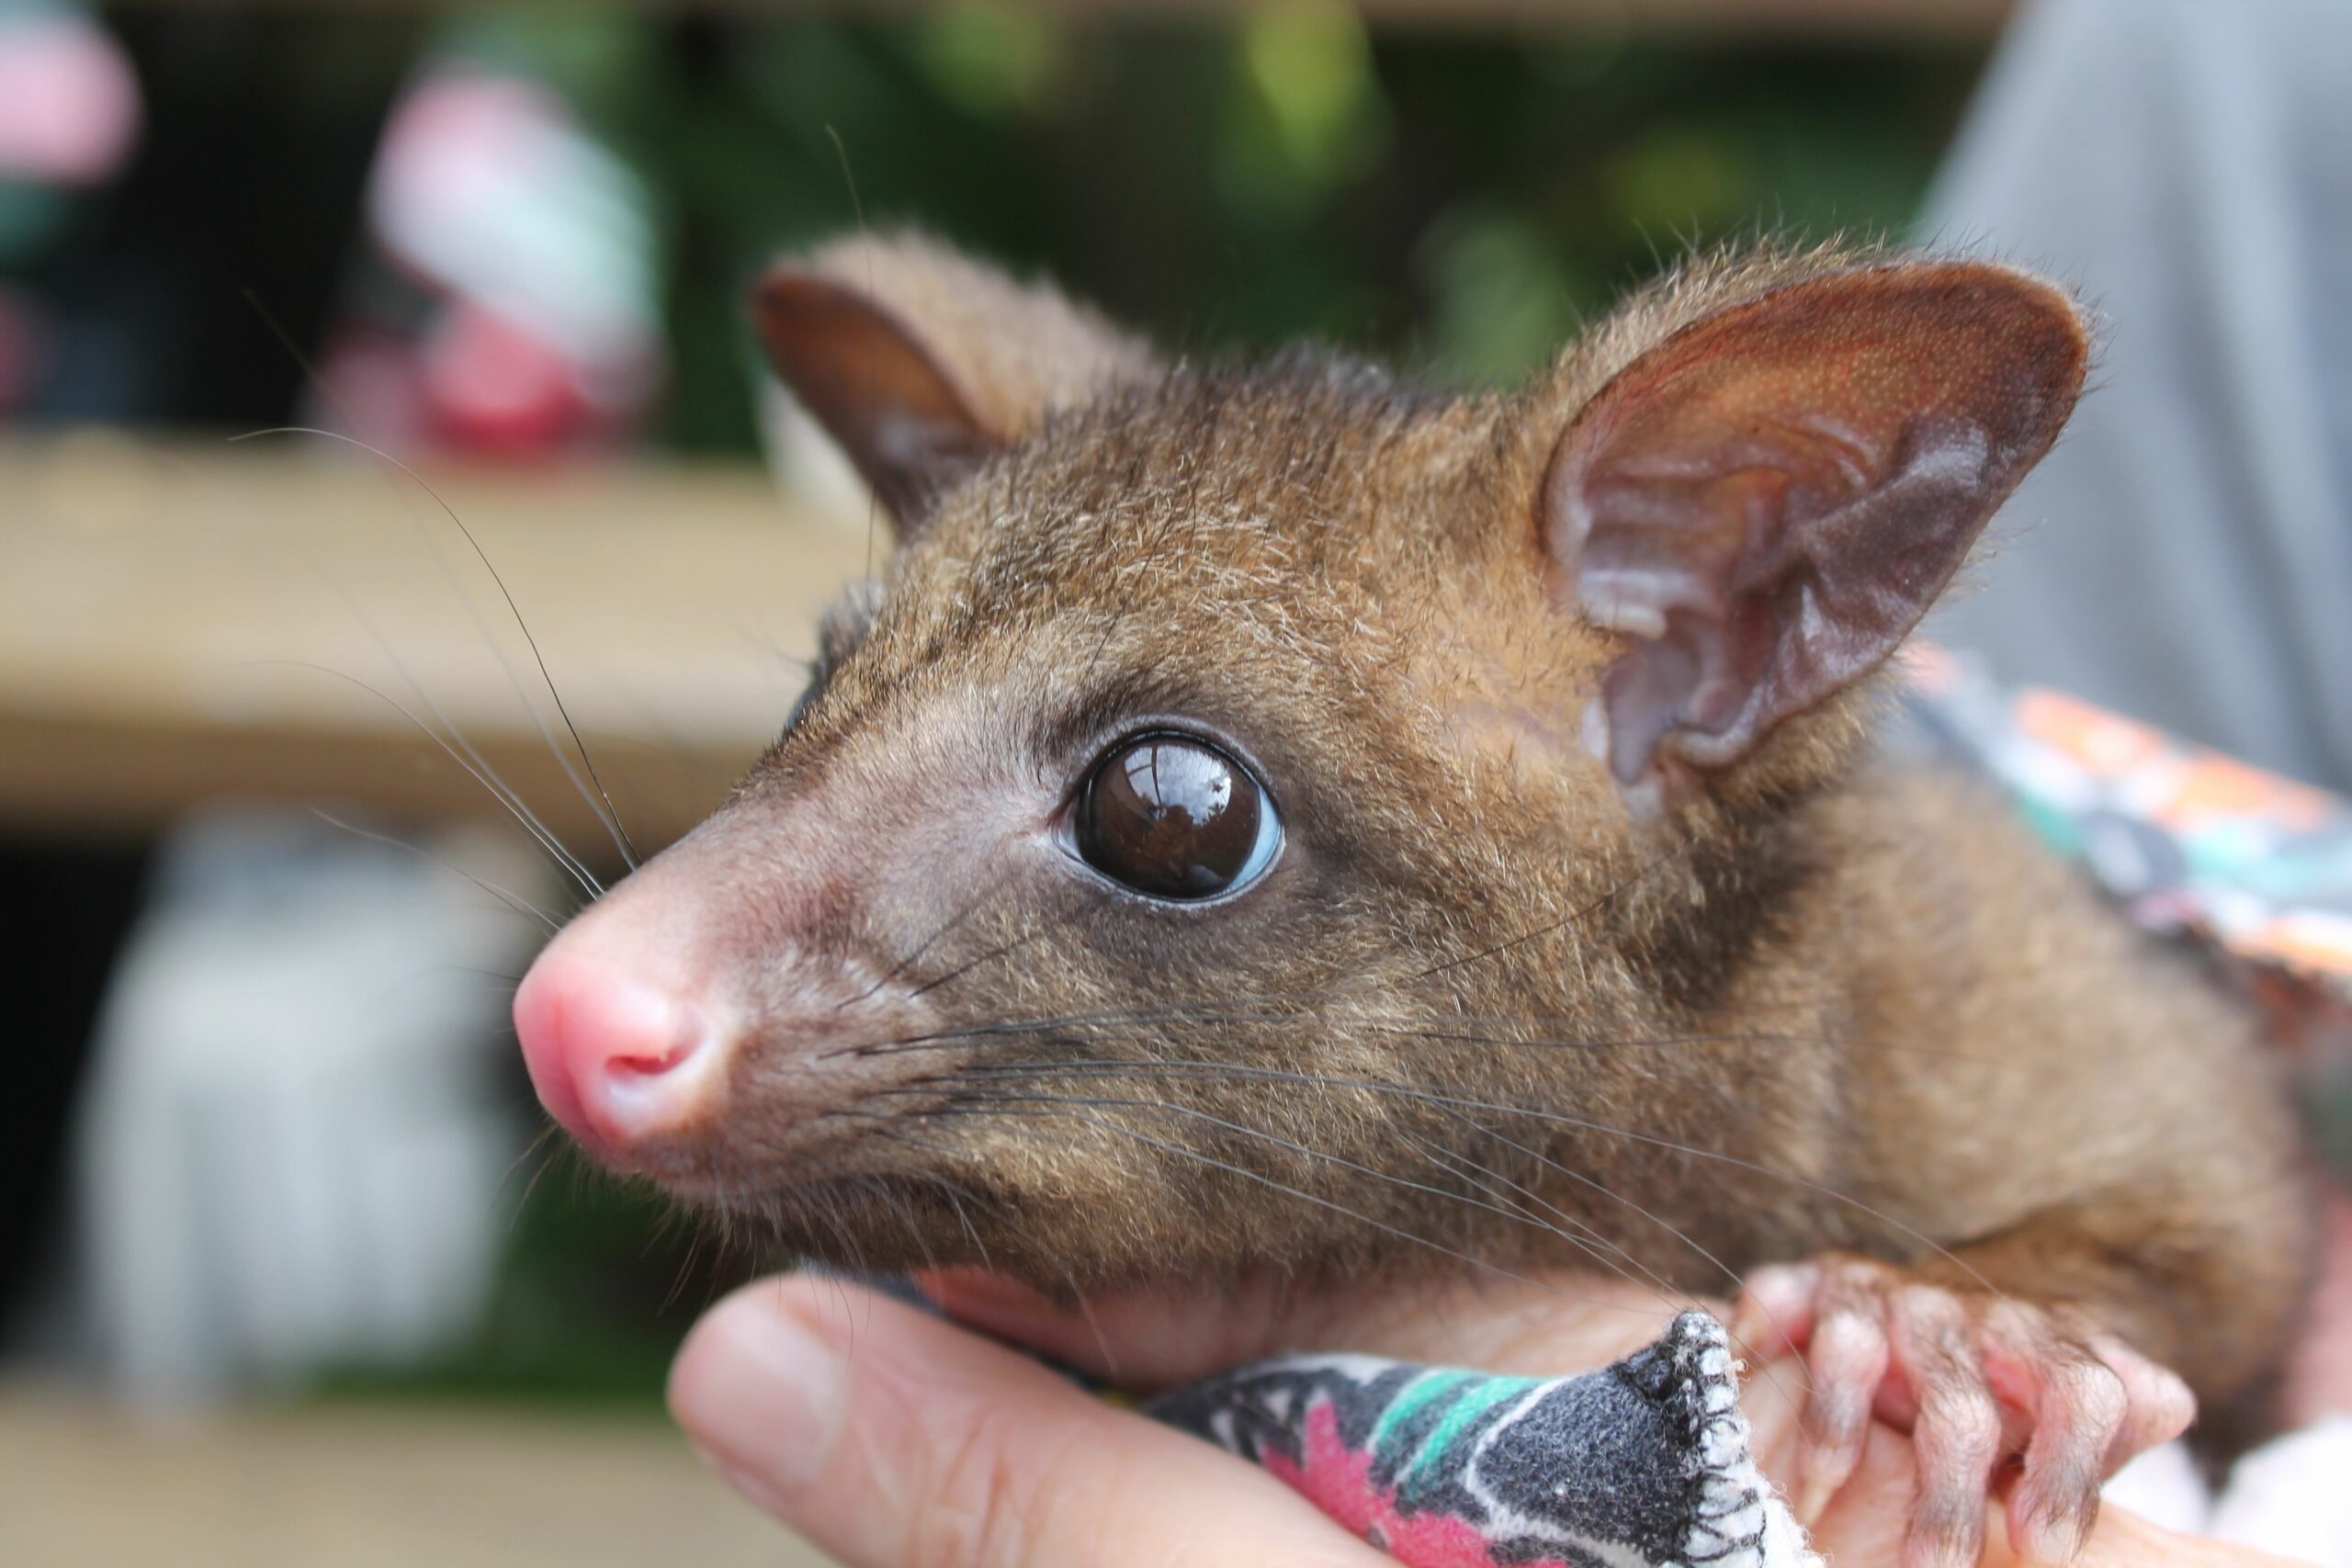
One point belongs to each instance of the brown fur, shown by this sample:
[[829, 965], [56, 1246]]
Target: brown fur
[[1477, 1011]]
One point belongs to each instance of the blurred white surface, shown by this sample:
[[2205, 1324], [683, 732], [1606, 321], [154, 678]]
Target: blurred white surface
[[2290, 1496], [2287, 1497], [299, 1117]]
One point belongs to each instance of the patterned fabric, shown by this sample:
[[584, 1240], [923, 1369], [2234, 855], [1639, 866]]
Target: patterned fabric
[[1643, 1464], [2189, 839]]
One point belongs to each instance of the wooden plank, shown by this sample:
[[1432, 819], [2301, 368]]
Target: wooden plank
[[187, 621], [1948, 18], [88, 1485]]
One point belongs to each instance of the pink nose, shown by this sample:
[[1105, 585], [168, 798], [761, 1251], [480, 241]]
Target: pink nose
[[617, 1057]]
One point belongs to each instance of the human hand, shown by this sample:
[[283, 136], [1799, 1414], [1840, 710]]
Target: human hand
[[892, 1440]]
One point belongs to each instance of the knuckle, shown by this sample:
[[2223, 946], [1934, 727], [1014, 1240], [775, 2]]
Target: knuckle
[[1929, 1306], [1852, 1285], [2095, 1394], [1964, 1420], [1851, 1339]]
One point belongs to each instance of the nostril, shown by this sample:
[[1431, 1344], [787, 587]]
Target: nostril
[[653, 1063]]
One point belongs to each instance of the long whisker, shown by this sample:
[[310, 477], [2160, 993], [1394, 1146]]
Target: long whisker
[[1257, 1134], [947, 1038], [449, 726], [1730, 1275], [1685, 1238], [1464, 1102], [608, 814], [1599, 1248], [1665, 1292], [1526, 1200], [996, 952], [513, 901], [1247, 1174], [914, 957], [499, 789]]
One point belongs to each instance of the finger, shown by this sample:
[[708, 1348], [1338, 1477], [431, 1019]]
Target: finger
[[2158, 1405], [1957, 1436], [889, 1439], [1845, 1363], [2076, 1405], [1775, 1315]]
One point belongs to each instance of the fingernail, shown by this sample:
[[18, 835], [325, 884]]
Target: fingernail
[[762, 1394]]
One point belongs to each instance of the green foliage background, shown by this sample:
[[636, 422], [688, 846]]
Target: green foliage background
[[1457, 199]]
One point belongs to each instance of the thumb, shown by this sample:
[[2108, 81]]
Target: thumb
[[891, 1439]]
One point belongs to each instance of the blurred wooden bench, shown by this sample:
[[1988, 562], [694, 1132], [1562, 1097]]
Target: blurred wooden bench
[[190, 620], [89, 1485]]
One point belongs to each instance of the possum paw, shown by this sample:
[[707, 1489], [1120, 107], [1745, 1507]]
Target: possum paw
[[1998, 1394]]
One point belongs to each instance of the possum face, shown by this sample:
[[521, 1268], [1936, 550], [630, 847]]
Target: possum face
[[1241, 776]]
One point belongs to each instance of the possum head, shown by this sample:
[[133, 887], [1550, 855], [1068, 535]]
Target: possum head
[[1252, 793]]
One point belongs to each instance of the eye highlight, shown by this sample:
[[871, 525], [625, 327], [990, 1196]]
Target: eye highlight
[[1175, 817]]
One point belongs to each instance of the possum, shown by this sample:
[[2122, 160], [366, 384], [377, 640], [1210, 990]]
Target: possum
[[1264, 810]]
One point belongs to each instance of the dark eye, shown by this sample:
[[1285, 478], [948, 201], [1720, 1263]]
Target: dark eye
[[1175, 817]]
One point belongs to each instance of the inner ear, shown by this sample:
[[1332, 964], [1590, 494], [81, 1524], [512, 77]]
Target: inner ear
[[865, 375], [922, 362], [1768, 502]]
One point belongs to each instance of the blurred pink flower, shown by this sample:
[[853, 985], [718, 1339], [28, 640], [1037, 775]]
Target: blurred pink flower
[[68, 103]]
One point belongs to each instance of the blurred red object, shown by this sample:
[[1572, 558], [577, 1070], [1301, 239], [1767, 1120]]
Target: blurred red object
[[491, 387], [515, 299]]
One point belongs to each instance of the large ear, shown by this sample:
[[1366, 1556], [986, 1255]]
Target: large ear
[[1765, 503], [921, 362]]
